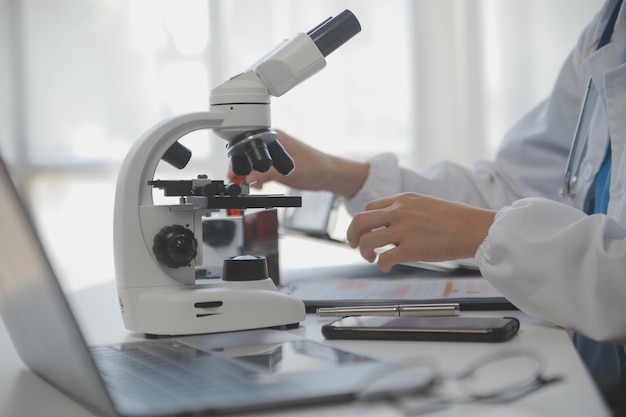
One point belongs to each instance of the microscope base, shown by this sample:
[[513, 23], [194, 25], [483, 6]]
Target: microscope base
[[212, 308]]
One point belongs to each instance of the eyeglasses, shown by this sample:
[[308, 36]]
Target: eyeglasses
[[576, 152], [417, 387]]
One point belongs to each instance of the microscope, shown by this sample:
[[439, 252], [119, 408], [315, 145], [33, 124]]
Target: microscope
[[157, 247]]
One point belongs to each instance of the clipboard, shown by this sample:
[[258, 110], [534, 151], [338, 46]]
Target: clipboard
[[364, 284]]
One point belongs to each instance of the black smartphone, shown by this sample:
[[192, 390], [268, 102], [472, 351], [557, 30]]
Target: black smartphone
[[457, 329]]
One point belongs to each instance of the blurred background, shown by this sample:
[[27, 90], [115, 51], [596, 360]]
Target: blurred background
[[81, 80]]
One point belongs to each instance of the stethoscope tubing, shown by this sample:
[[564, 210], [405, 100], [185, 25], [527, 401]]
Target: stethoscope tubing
[[570, 179]]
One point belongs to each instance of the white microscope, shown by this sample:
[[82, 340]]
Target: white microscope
[[157, 248]]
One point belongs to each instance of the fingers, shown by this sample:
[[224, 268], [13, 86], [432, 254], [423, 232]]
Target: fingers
[[387, 247], [381, 203], [373, 232], [367, 223], [255, 179], [372, 219], [378, 216], [393, 256], [372, 243]]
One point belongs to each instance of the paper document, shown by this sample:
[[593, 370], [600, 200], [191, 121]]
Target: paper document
[[471, 293]]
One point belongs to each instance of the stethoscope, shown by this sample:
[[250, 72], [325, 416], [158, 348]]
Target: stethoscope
[[574, 159]]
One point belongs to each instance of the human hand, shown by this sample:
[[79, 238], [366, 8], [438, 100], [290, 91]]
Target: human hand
[[315, 170], [420, 228]]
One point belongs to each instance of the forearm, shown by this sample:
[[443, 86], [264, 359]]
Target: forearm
[[344, 177]]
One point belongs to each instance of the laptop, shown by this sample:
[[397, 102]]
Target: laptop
[[195, 375]]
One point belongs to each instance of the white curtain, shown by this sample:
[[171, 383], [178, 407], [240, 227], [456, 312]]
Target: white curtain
[[80, 80], [482, 64]]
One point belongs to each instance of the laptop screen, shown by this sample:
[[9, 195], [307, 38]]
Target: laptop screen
[[35, 310]]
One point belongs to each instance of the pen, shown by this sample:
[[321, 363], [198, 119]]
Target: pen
[[399, 310]]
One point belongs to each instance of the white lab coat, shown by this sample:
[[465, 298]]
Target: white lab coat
[[543, 253]]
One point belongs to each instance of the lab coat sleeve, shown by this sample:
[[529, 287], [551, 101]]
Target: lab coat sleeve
[[481, 186], [556, 263]]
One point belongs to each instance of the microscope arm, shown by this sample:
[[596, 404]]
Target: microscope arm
[[134, 261]]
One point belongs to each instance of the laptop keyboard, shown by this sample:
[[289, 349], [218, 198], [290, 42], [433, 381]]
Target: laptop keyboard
[[170, 372]]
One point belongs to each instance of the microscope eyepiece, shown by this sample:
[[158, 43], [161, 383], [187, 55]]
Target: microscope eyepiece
[[334, 32]]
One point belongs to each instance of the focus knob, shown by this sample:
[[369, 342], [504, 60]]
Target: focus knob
[[175, 246]]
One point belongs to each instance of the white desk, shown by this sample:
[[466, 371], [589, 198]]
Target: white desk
[[25, 395]]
